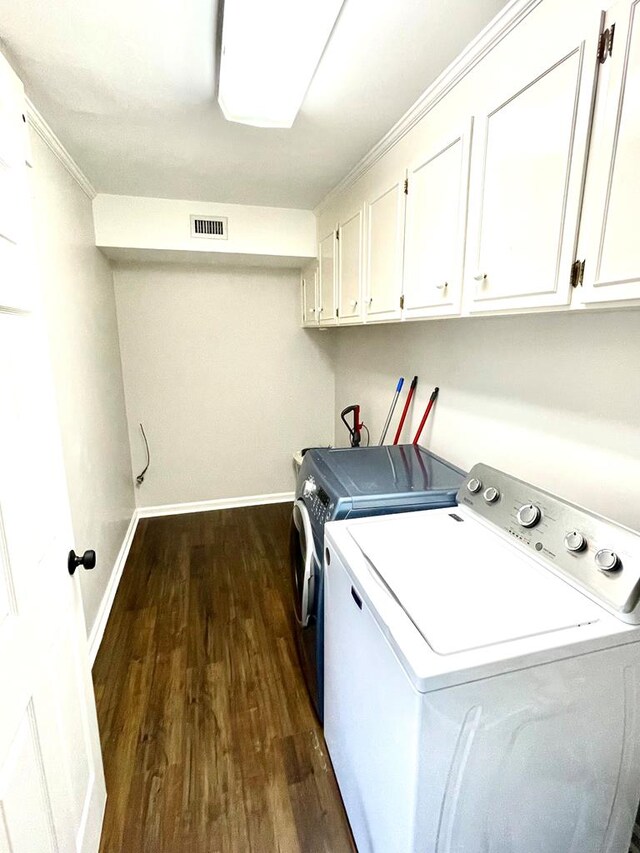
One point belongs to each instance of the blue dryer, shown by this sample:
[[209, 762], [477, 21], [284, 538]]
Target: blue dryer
[[337, 483]]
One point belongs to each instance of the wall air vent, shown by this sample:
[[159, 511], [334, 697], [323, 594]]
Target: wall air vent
[[210, 227]]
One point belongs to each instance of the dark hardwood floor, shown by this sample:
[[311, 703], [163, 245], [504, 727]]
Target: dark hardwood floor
[[209, 741]]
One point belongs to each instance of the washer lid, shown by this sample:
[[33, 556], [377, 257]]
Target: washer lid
[[462, 585]]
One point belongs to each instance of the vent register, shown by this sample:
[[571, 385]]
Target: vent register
[[209, 227]]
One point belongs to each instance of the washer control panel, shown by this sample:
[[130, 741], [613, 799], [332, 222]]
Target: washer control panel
[[595, 553]]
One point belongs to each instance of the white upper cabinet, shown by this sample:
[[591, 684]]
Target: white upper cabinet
[[385, 249], [309, 285], [609, 241], [528, 172], [501, 223], [350, 256], [438, 186], [327, 280]]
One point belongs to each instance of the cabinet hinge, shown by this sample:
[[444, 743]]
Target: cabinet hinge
[[406, 186], [577, 273], [337, 233], [402, 301], [605, 44]]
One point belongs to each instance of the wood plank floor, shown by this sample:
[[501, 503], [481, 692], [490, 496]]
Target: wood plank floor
[[209, 741]]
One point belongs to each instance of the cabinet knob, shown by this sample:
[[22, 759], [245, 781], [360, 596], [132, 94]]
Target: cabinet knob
[[442, 286], [481, 276], [355, 303]]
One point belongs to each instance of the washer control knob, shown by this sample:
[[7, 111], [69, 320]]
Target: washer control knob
[[575, 541], [491, 495], [607, 560], [529, 515], [309, 487], [474, 485]]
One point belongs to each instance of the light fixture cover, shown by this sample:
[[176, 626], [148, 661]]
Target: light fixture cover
[[270, 51]]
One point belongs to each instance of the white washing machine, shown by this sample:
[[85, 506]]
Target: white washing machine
[[482, 675]]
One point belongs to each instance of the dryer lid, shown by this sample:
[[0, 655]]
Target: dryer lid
[[403, 469], [463, 586]]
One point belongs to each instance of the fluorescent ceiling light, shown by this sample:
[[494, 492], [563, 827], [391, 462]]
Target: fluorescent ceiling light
[[270, 51]]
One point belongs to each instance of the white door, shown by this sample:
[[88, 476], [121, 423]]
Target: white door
[[527, 174], [309, 284], [435, 227], [52, 791], [350, 234], [385, 252], [13, 209], [327, 280], [609, 240]]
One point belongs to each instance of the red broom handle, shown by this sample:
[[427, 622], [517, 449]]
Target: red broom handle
[[414, 382], [432, 400]]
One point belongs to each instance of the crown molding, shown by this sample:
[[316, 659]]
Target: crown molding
[[505, 21], [44, 131]]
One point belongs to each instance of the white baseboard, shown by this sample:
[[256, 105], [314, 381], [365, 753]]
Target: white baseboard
[[100, 623], [97, 632], [219, 503]]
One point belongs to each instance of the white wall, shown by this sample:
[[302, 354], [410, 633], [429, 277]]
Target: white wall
[[551, 398], [81, 318], [225, 382], [134, 222]]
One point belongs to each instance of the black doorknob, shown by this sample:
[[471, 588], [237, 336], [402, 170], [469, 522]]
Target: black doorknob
[[88, 560]]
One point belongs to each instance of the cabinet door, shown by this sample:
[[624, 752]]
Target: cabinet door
[[327, 280], [350, 269], [309, 285], [385, 243], [435, 228], [609, 239], [526, 182]]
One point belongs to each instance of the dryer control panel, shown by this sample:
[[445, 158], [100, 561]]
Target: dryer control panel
[[593, 552], [319, 505]]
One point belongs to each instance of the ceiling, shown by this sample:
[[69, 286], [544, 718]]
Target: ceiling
[[130, 90]]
